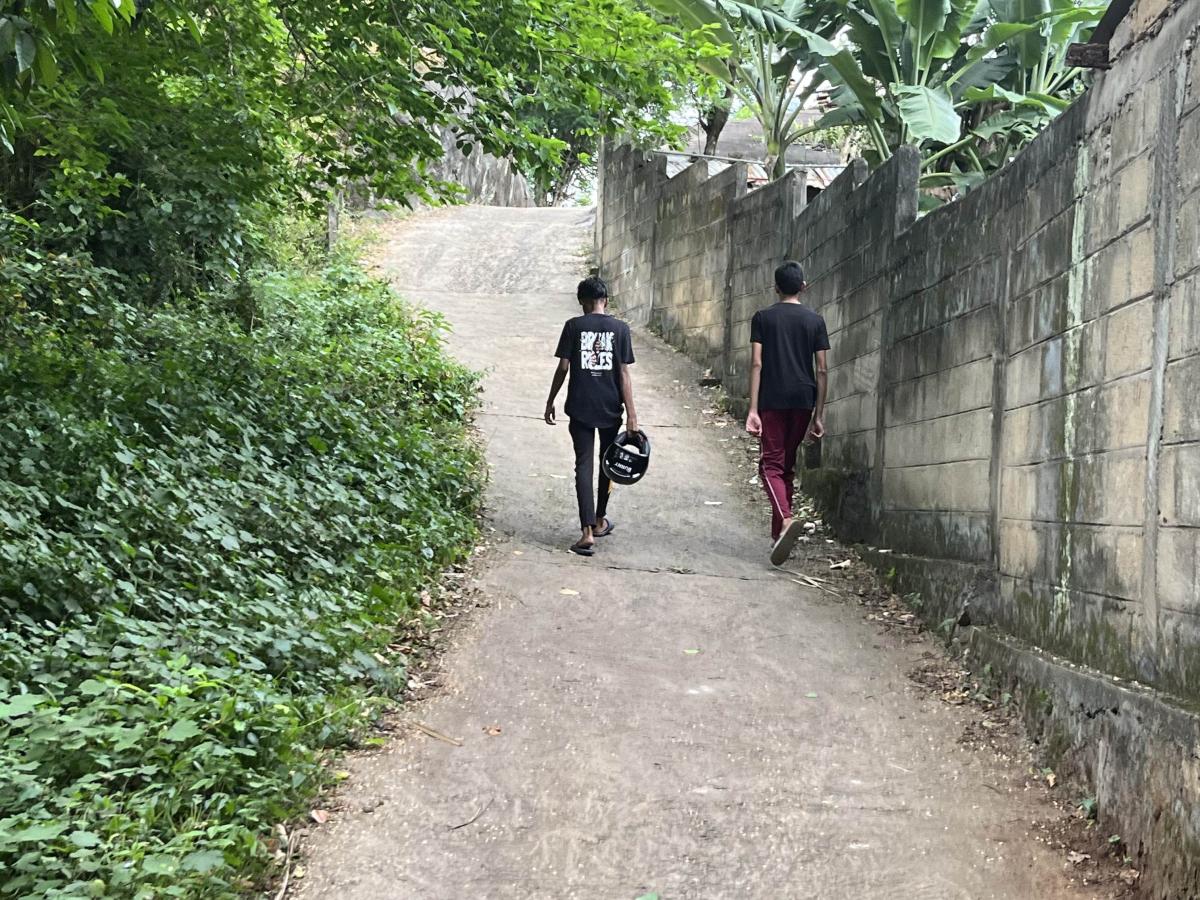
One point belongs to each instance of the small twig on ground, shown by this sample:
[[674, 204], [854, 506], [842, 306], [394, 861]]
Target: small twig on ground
[[421, 726], [809, 582], [475, 817], [287, 865]]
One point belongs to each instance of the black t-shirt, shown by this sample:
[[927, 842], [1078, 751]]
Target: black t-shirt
[[790, 334], [596, 345]]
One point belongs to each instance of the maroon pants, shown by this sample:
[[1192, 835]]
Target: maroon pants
[[783, 431]]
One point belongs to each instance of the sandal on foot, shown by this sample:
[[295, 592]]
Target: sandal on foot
[[582, 549], [608, 529], [786, 543]]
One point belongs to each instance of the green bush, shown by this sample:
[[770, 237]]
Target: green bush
[[210, 525]]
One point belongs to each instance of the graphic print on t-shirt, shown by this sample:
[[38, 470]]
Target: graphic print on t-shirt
[[596, 351], [597, 347]]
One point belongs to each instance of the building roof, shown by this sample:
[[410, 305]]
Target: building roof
[[742, 139]]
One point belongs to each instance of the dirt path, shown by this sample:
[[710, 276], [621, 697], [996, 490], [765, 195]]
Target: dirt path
[[789, 758]]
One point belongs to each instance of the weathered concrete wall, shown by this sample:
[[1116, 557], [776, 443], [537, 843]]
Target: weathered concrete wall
[[937, 380], [485, 179], [629, 187], [837, 240], [691, 258], [1012, 394], [1172, 557], [757, 243]]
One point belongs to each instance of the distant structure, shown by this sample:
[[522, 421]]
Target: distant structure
[[742, 140]]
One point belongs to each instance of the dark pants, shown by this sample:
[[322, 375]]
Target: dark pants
[[584, 439], [783, 431]]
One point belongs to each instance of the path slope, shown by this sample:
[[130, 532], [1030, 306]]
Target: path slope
[[790, 757]]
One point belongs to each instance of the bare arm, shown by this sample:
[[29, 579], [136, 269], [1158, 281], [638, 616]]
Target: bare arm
[[816, 428], [631, 422], [753, 422], [560, 375]]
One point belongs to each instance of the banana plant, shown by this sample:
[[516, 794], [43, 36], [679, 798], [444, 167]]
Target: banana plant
[[968, 81], [769, 55]]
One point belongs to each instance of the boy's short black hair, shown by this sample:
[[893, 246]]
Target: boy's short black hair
[[591, 289], [789, 278]]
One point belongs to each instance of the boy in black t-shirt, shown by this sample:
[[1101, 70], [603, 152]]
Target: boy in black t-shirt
[[787, 397], [596, 351]]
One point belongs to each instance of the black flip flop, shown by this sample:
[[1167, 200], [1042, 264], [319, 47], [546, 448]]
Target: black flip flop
[[607, 531], [787, 541], [581, 550]]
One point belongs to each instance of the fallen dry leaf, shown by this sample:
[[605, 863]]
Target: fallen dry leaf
[[1075, 858], [844, 564], [320, 816], [492, 730], [568, 592], [1129, 876]]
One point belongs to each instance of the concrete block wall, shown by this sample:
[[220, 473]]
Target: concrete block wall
[[937, 384], [759, 238], [1010, 376], [630, 183], [1176, 312], [1012, 402], [829, 240], [1078, 390], [692, 256]]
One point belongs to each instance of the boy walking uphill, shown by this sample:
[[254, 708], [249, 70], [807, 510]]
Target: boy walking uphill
[[787, 396], [596, 351]]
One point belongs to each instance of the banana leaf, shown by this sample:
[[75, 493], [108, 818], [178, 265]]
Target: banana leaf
[[928, 112]]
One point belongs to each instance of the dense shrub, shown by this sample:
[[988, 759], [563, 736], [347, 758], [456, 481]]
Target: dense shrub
[[210, 524]]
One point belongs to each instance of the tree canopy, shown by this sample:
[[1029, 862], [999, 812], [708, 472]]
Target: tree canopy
[[163, 135]]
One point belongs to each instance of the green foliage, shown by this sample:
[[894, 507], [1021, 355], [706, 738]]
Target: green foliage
[[968, 81], [616, 71], [30, 32], [212, 517], [766, 52], [173, 131]]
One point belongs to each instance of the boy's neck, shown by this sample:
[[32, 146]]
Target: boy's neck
[[795, 298], [598, 308]]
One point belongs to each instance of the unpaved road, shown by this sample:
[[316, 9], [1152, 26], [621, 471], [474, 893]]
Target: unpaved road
[[789, 758]]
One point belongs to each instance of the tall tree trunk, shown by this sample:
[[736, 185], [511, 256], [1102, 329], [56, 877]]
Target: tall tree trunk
[[713, 122]]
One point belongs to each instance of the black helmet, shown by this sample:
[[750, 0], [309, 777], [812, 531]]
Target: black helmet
[[625, 462]]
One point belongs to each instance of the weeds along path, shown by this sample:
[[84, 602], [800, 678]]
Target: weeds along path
[[674, 716]]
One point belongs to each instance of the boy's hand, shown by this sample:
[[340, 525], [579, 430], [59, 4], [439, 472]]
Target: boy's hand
[[549, 414], [631, 425], [816, 430], [754, 424]]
